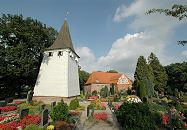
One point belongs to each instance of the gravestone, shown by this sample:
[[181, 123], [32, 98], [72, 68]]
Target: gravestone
[[88, 111], [53, 104], [3, 103], [29, 96], [23, 113], [44, 118]]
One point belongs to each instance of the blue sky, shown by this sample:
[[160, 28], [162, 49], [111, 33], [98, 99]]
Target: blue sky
[[110, 34]]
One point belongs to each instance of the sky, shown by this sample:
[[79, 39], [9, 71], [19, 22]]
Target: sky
[[111, 34]]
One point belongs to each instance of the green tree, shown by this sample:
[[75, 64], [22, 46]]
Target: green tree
[[22, 42], [177, 76], [143, 79], [160, 76], [112, 71], [83, 77], [178, 11]]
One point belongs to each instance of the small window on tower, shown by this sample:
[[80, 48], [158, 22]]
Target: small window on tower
[[60, 53], [50, 54]]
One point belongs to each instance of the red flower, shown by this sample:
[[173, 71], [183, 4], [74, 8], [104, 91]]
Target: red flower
[[100, 116], [27, 120], [18, 102], [165, 119], [8, 108]]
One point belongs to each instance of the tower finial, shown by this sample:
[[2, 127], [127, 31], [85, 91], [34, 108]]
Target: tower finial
[[67, 13]]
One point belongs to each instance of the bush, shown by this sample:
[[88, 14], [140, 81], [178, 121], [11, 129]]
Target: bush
[[60, 112], [74, 104], [33, 127], [116, 98], [94, 93], [104, 92], [156, 107], [135, 116]]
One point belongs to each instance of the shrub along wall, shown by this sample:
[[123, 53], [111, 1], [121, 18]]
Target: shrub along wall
[[135, 116]]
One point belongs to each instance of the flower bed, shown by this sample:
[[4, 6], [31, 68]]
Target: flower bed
[[8, 108], [100, 116], [6, 119], [174, 119], [91, 98], [19, 102], [27, 120], [98, 105]]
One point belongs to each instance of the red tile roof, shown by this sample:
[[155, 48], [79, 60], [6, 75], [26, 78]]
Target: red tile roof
[[103, 78]]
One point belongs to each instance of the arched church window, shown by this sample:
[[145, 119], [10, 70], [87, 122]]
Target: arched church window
[[60, 53], [50, 54]]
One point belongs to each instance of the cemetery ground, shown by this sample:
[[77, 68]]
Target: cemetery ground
[[93, 112]]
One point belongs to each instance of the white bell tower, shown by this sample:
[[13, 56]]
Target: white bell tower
[[58, 75]]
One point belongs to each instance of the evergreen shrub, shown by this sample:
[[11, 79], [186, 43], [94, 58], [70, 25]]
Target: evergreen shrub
[[74, 104], [135, 116], [104, 92], [60, 112]]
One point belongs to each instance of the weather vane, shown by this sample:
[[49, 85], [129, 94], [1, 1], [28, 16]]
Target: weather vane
[[67, 13]]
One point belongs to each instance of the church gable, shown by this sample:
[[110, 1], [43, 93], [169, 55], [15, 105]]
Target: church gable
[[123, 80]]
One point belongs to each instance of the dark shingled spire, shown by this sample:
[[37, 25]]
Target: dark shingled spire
[[63, 40]]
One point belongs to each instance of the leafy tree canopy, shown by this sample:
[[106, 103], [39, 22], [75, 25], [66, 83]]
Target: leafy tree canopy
[[112, 71], [83, 77], [22, 42], [177, 76]]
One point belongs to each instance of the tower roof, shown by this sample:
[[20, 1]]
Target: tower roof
[[63, 40]]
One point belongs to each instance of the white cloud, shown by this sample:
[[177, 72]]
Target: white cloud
[[184, 53], [87, 59], [153, 32]]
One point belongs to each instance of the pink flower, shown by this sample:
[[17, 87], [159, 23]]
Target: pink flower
[[100, 116]]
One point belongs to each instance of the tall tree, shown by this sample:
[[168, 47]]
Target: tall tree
[[177, 76], [83, 77], [22, 42], [144, 78], [178, 11], [160, 76]]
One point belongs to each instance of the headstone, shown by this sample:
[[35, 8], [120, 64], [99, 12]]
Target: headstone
[[88, 111], [44, 118], [53, 104], [24, 112], [29, 96], [3, 103]]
